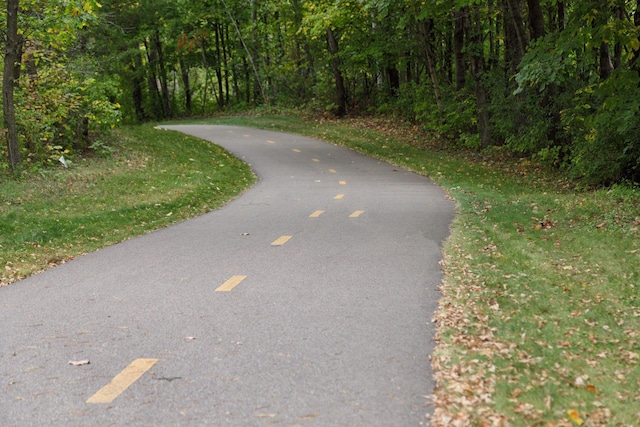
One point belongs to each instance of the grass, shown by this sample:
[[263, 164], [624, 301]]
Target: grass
[[539, 320], [153, 179]]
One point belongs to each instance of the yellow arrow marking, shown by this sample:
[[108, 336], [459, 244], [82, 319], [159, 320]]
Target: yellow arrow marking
[[339, 196], [356, 214], [122, 381], [230, 284], [281, 241], [316, 214]]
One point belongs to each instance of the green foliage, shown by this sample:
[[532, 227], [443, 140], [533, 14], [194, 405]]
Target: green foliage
[[605, 125], [60, 111]]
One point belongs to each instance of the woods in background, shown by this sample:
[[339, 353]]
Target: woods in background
[[558, 81]]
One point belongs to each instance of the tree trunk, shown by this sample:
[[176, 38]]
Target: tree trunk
[[184, 74], [225, 61], [162, 72], [477, 71], [635, 61], [536, 19], [394, 81], [427, 30], [136, 91], [605, 64], [458, 46], [518, 40], [12, 47], [218, 66], [341, 93]]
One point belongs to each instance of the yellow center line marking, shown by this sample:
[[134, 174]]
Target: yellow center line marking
[[356, 214], [332, 170], [246, 135], [281, 240], [122, 381], [295, 150], [343, 182], [230, 284], [316, 214], [270, 141], [339, 196], [316, 160]]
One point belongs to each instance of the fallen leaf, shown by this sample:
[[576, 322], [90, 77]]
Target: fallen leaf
[[575, 416], [79, 362]]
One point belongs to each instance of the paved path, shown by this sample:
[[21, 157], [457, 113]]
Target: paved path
[[306, 301]]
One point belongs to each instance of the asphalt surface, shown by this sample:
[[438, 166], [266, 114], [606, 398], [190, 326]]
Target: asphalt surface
[[307, 301]]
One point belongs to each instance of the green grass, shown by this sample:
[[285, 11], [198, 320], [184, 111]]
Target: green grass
[[539, 322], [153, 179]]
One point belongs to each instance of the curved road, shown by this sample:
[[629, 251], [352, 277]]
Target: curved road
[[305, 302]]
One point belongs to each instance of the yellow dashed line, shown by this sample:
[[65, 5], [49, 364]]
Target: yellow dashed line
[[281, 240], [316, 214], [295, 150], [332, 170], [339, 196], [343, 182], [230, 284], [356, 214], [270, 141], [316, 160], [122, 381]]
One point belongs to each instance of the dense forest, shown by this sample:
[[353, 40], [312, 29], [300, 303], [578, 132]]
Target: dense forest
[[556, 81]]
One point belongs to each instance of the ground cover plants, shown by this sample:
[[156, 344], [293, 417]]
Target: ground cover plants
[[152, 179], [539, 320]]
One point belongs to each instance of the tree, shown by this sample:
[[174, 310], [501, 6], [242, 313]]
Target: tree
[[11, 62]]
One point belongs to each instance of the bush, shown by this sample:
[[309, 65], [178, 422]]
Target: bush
[[605, 125], [60, 112]]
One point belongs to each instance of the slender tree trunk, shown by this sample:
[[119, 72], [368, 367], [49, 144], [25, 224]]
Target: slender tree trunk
[[184, 74], [162, 72], [217, 28], [12, 47], [427, 30], [225, 61], [136, 91], [341, 93], [152, 80], [561, 15], [477, 71], [458, 46], [635, 61]]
